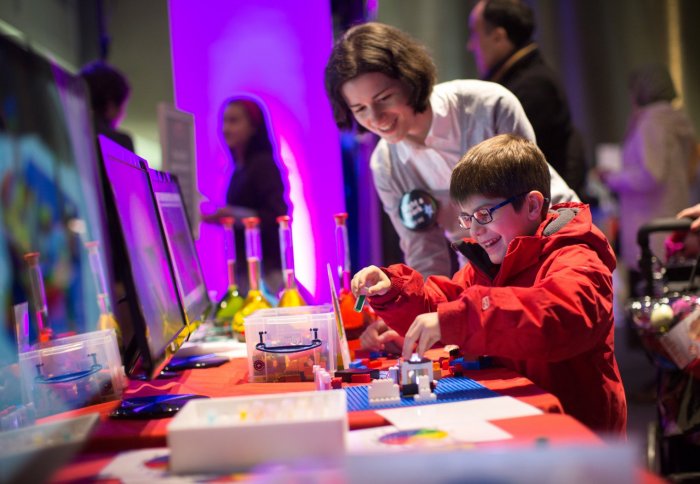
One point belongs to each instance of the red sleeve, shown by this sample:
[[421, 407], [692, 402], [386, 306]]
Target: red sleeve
[[410, 296], [565, 313]]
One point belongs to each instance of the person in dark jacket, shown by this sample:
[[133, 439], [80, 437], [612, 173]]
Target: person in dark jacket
[[256, 188], [537, 294], [109, 96], [500, 38]]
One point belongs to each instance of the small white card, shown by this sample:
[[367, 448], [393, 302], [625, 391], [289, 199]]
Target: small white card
[[608, 157], [683, 341]]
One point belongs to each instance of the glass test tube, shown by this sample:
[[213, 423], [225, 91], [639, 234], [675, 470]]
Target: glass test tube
[[286, 251], [98, 274], [230, 249], [37, 295], [342, 247], [253, 251]]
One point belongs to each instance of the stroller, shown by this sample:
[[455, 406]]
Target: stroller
[[671, 299]]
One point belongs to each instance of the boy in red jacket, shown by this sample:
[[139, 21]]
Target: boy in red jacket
[[536, 295]]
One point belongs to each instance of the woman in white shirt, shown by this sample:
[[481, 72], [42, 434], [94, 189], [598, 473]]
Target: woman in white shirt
[[384, 81]]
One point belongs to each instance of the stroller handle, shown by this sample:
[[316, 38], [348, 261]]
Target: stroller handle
[[667, 224]]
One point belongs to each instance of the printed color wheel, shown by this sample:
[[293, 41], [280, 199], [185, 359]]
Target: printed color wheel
[[415, 437]]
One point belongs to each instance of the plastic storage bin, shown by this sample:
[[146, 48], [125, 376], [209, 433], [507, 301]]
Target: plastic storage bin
[[223, 435], [285, 343], [72, 372]]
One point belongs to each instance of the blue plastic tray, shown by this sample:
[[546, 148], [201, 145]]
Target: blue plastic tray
[[448, 389]]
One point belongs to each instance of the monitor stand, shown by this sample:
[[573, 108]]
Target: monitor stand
[[155, 406], [180, 363]]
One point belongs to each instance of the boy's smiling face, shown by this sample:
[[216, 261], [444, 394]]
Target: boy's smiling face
[[507, 224]]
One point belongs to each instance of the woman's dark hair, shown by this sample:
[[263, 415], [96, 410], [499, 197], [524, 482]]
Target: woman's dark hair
[[376, 47], [260, 141], [106, 84]]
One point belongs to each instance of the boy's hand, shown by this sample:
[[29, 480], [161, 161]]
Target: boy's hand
[[425, 331], [370, 281], [379, 337]]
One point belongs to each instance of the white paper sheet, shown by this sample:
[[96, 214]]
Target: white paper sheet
[[459, 436], [444, 415]]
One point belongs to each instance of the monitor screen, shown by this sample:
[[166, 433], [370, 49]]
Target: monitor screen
[[50, 198], [178, 234], [154, 308]]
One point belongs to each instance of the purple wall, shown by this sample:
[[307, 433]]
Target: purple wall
[[275, 50]]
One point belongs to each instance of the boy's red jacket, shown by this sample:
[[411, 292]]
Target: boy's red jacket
[[546, 313]]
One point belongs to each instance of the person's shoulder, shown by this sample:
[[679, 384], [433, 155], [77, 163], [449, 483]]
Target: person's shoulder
[[469, 87], [472, 94]]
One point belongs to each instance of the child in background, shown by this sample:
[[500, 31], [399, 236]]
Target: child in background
[[536, 295]]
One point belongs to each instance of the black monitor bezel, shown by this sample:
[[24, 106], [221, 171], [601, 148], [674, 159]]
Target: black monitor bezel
[[201, 311], [139, 362]]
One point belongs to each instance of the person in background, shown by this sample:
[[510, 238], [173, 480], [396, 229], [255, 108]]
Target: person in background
[[657, 168], [256, 188], [500, 38], [537, 295], [109, 96], [384, 80]]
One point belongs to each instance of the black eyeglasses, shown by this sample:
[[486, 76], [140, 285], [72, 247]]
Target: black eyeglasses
[[485, 215]]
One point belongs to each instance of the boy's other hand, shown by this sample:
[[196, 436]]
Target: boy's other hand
[[370, 281], [425, 331], [379, 337]]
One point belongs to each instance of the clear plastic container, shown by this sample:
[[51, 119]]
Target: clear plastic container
[[72, 372], [285, 343]]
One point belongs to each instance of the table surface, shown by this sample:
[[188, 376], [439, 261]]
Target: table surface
[[111, 436]]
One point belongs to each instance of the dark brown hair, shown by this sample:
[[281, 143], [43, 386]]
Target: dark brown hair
[[107, 85], [260, 140], [503, 166], [515, 16], [376, 47]]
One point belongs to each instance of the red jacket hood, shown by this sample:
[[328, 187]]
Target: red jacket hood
[[567, 223]]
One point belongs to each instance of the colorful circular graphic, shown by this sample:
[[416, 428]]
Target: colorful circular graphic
[[259, 365], [159, 463], [416, 437]]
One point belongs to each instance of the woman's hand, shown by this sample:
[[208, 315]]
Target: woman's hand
[[217, 216]]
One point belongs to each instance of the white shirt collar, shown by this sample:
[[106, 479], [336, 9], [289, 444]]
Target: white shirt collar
[[441, 130]]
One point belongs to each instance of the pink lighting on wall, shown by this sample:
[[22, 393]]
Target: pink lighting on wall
[[275, 50]]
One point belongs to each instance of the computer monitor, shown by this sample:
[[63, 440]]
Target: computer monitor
[[150, 307], [180, 241], [187, 270], [50, 196]]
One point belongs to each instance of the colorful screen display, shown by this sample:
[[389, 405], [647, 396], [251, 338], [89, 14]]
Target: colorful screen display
[[50, 198], [180, 241]]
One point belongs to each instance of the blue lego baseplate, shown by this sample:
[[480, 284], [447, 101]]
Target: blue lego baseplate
[[449, 389]]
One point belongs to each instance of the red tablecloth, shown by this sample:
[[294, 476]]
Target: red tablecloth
[[231, 379], [112, 436]]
